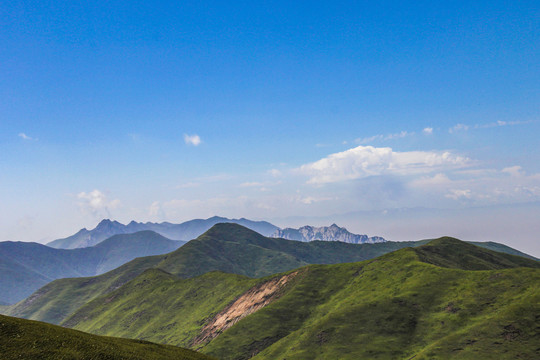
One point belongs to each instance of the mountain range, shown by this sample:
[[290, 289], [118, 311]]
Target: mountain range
[[325, 233], [224, 295], [193, 228], [185, 231], [233, 293], [25, 267], [226, 247]]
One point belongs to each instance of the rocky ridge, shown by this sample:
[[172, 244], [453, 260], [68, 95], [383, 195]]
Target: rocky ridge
[[325, 233]]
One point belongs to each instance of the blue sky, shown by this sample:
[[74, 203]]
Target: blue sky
[[291, 112]]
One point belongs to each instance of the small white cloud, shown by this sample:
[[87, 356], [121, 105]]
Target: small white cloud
[[25, 137], [514, 171], [308, 200], [437, 180], [194, 140], [188, 185], [96, 203], [500, 123], [156, 210], [458, 127], [458, 194], [251, 184], [398, 135], [427, 131], [275, 172]]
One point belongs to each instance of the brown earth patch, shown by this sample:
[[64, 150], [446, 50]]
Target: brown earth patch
[[451, 308], [510, 332], [251, 301]]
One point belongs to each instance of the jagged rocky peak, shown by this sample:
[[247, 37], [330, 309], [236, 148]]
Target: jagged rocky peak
[[325, 233]]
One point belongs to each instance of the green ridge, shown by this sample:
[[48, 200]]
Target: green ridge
[[396, 306], [26, 339]]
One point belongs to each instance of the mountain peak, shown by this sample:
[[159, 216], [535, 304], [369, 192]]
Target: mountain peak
[[215, 217], [230, 232], [107, 223], [325, 233]]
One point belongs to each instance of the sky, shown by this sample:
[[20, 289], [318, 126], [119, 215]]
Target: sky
[[398, 119]]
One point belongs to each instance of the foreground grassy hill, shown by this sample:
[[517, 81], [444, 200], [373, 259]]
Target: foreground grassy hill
[[26, 339], [25, 267], [446, 299], [225, 247]]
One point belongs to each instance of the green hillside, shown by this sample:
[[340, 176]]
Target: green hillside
[[160, 307], [26, 339], [25, 267], [229, 248], [396, 306]]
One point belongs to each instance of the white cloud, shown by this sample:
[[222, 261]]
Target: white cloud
[[436, 180], [458, 127], [308, 200], [251, 184], [428, 131], [96, 203], [275, 172], [194, 140], [514, 171], [458, 194], [188, 185], [364, 161], [156, 210], [398, 135], [25, 137], [499, 123]]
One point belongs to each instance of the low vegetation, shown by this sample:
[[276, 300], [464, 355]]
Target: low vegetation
[[26, 339], [447, 299]]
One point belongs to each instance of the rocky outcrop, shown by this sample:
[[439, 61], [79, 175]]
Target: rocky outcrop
[[325, 233]]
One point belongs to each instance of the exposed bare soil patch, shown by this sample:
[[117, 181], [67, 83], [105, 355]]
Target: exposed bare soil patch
[[252, 300]]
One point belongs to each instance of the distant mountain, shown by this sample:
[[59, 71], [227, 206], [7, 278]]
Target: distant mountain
[[184, 231], [226, 247], [425, 302], [25, 267], [325, 233], [25, 339]]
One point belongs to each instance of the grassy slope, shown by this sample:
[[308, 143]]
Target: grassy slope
[[26, 339], [397, 307], [160, 307]]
